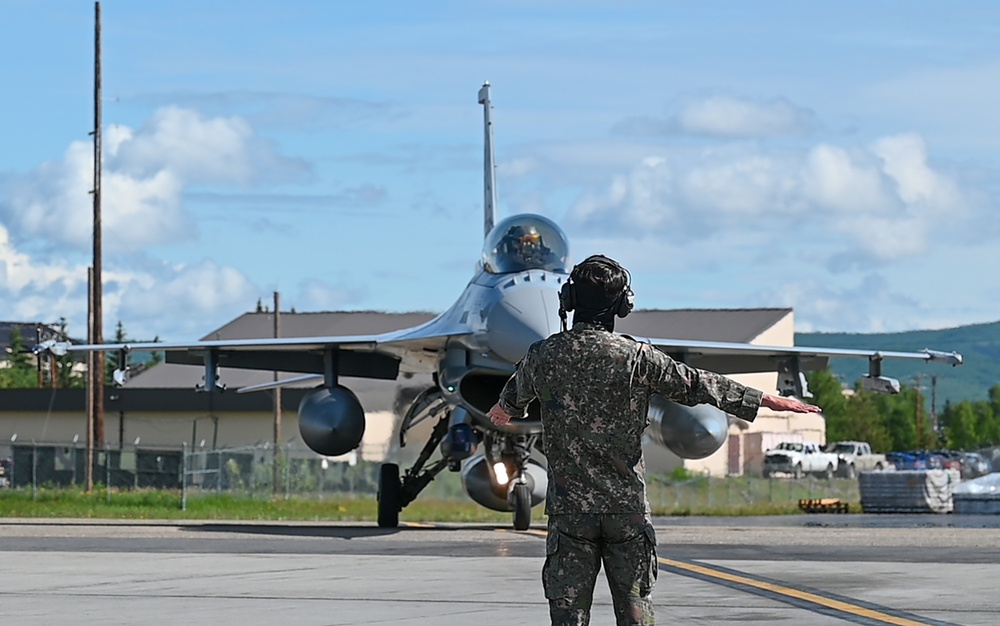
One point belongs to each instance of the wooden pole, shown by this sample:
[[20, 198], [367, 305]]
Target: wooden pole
[[277, 399], [97, 336], [89, 470]]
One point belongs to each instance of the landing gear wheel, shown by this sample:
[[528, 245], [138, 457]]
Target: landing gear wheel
[[798, 471], [828, 474], [522, 507], [388, 495], [852, 472]]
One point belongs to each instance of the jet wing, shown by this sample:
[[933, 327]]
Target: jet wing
[[382, 356], [743, 358]]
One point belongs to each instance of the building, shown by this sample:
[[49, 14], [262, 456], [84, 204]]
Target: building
[[159, 408]]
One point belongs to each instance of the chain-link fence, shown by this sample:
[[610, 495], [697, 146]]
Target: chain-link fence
[[59, 465], [265, 472], [694, 495]]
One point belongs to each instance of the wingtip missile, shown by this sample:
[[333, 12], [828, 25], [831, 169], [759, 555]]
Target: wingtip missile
[[936, 356], [51, 346]]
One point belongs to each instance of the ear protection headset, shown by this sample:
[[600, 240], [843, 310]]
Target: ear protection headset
[[622, 305]]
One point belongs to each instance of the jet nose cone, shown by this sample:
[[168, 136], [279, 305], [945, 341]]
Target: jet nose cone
[[521, 318]]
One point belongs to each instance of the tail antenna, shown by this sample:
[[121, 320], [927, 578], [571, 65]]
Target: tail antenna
[[489, 163]]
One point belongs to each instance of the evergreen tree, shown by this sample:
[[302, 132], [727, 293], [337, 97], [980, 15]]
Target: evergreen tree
[[898, 415], [155, 357], [986, 424], [866, 421], [828, 394], [66, 372], [961, 431], [21, 371], [111, 359]]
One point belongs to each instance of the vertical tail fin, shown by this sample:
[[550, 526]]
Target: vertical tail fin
[[489, 164]]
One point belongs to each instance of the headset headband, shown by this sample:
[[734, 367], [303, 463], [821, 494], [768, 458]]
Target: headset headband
[[622, 304]]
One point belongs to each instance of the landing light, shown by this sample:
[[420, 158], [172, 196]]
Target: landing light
[[501, 471]]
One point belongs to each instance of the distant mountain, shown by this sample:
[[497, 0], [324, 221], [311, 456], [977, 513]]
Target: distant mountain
[[978, 343]]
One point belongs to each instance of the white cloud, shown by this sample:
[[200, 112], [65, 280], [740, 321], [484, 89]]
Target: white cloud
[[871, 306], [144, 174], [179, 302], [880, 202], [199, 150], [182, 301], [39, 291], [317, 295], [726, 117], [833, 179]]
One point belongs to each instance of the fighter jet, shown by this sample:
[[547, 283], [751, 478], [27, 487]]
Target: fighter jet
[[471, 350]]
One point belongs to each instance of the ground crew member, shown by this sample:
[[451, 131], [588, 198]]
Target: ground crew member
[[593, 387]]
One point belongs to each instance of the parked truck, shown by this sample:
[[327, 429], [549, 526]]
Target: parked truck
[[798, 459], [856, 456]]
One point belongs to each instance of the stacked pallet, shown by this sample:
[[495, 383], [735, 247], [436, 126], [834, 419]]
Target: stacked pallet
[[909, 491]]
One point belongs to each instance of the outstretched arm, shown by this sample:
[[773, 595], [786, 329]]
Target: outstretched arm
[[778, 403]]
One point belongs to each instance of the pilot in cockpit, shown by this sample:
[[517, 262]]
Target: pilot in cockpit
[[525, 244]]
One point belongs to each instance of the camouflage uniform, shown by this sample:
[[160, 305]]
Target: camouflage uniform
[[593, 387]]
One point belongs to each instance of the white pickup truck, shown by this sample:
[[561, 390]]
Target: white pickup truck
[[798, 459], [856, 456]]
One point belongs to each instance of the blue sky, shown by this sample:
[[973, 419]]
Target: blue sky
[[836, 157]]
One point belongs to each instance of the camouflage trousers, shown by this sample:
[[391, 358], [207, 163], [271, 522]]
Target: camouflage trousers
[[576, 547]]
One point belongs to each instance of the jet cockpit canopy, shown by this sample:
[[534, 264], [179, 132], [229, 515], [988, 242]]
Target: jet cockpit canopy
[[525, 242]]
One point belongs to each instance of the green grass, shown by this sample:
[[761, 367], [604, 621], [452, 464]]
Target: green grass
[[668, 497], [166, 505]]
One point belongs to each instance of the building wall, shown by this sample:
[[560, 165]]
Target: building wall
[[196, 429]]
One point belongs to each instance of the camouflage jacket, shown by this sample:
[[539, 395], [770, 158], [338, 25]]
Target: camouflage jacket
[[593, 387]]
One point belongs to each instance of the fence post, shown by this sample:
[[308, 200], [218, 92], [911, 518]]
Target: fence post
[[107, 472], [319, 481], [218, 471], [288, 470], [184, 482], [34, 472]]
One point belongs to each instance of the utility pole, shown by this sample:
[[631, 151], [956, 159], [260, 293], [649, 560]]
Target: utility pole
[[277, 400], [96, 364], [934, 418], [917, 388], [89, 470]]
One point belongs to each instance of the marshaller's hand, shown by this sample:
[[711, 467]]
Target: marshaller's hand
[[498, 416], [777, 403]]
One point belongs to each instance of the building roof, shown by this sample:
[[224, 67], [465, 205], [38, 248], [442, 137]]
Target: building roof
[[257, 325], [733, 325]]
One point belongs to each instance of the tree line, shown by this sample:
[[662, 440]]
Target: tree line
[[26, 371], [903, 421]]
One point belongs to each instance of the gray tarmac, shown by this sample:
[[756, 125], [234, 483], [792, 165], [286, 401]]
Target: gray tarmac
[[803, 570]]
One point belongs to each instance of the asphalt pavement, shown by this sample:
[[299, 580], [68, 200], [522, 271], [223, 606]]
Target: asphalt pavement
[[804, 570]]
